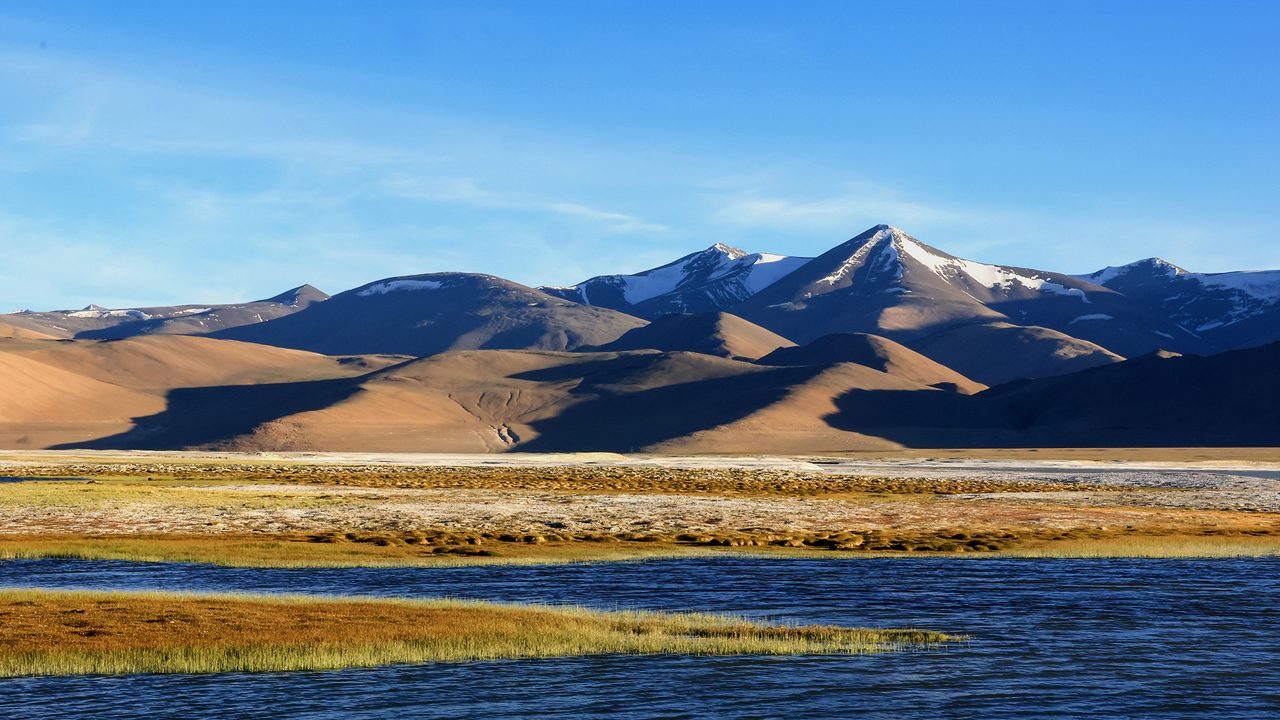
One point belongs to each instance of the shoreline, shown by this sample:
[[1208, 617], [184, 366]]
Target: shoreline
[[1121, 458], [292, 552]]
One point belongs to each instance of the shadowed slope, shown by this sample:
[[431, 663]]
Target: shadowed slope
[[995, 353], [205, 416], [1160, 400], [624, 421], [485, 401], [874, 352], [42, 405], [73, 391], [1190, 400], [715, 333], [423, 315], [798, 420]]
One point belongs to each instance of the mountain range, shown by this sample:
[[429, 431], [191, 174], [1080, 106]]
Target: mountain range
[[98, 323], [880, 342]]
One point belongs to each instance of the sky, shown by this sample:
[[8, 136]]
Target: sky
[[155, 152]]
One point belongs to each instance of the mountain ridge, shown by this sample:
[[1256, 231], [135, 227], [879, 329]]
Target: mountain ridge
[[704, 281], [431, 313]]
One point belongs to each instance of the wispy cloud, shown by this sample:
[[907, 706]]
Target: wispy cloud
[[852, 208], [469, 192], [146, 182], [619, 222]]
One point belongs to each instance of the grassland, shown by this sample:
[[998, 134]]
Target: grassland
[[587, 479], [71, 632], [303, 552], [282, 514]]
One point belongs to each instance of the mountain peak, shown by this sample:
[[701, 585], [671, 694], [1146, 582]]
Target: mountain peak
[[300, 296], [1152, 265], [886, 242], [732, 252], [1157, 263]]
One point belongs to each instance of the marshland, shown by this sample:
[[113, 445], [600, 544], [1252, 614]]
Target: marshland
[[146, 565], [287, 512], [77, 633]]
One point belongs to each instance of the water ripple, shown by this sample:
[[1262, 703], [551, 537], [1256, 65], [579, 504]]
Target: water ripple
[[1049, 639]]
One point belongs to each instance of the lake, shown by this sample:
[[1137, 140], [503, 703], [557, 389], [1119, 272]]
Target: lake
[[1049, 638]]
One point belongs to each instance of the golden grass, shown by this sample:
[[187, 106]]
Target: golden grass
[[71, 633], [387, 549], [300, 552], [215, 517], [750, 482], [1154, 546]]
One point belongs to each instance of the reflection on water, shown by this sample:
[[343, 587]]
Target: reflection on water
[[1049, 638]]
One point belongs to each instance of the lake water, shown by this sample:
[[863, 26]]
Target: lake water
[[1116, 638]]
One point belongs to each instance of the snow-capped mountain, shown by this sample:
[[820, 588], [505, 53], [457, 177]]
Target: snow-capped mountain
[[1230, 309], [95, 322], [886, 282], [423, 315], [705, 281], [991, 322]]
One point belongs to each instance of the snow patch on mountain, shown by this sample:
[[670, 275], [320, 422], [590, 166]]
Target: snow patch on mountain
[[759, 270], [991, 276], [1199, 301], [724, 273], [1263, 285], [859, 256], [1094, 316], [390, 286], [1059, 289], [730, 251], [98, 313], [767, 269], [1155, 264]]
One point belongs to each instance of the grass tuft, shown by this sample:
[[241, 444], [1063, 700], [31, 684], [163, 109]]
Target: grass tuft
[[88, 632]]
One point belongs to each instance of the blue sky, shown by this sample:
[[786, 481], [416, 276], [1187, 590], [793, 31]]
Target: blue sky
[[234, 149]]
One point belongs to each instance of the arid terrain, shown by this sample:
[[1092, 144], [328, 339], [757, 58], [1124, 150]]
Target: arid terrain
[[348, 510]]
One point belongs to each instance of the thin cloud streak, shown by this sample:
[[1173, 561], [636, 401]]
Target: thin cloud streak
[[468, 192]]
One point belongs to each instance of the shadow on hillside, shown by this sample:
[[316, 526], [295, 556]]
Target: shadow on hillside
[[208, 415], [918, 418], [626, 422], [592, 372], [1059, 415]]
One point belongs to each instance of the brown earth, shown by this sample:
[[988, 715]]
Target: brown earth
[[718, 333], [278, 513], [875, 352]]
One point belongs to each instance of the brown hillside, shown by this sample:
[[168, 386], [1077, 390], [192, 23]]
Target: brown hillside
[[996, 353], [713, 333], [877, 353]]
